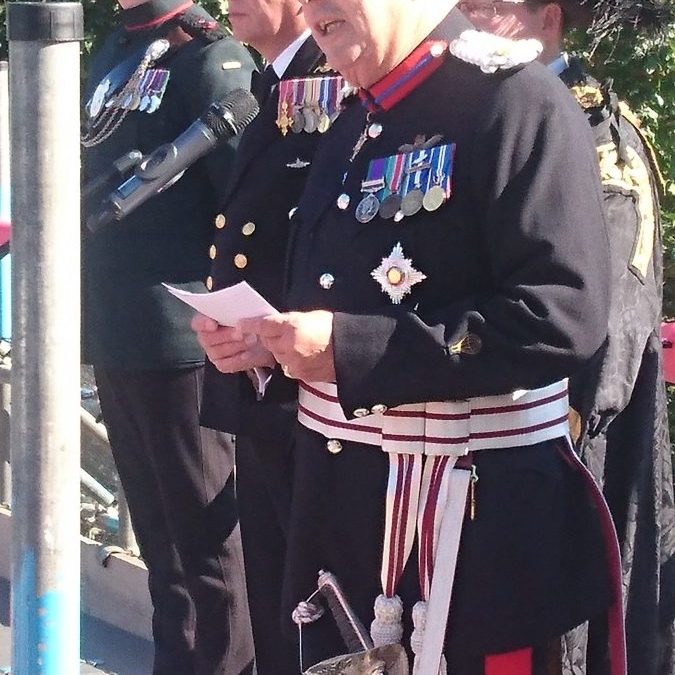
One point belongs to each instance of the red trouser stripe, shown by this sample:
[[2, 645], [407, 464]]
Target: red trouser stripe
[[510, 663]]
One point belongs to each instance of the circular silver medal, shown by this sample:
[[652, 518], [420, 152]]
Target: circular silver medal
[[390, 205], [98, 99], [412, 202], [367, 208], [374, 130], [434, 198], [311, 120], [297, 122]]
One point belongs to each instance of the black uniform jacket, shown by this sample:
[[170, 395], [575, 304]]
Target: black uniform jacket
[[506, 264], [269, 174], [130, 320]]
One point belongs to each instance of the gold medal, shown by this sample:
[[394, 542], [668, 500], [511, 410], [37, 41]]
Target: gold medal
[[434, 198], [324, 123], [284, 121]]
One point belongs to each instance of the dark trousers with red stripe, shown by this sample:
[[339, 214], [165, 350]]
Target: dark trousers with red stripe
[[179, 483]]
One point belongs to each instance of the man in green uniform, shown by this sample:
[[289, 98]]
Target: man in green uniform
[[156, 74]]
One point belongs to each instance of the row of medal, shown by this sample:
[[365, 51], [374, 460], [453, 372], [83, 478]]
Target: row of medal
[[146, 96], [309, 104], [403, 184]]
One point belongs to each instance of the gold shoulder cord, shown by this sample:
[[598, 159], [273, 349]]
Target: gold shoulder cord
[[632, 174]]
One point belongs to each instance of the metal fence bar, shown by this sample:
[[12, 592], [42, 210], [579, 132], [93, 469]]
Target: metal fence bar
[[44, 54]]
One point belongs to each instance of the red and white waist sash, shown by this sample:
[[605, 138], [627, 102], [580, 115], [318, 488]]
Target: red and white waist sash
[[442, 428]]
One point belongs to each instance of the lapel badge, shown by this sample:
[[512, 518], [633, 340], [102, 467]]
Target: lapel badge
[[297, 164], [493, 52], [396, 275], [421, 142]]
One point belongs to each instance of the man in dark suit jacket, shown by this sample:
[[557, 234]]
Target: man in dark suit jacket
[[619, 400], [273, 161], [445, 210], [155, 74]]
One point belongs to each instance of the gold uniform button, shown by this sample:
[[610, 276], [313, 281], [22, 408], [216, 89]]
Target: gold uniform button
[[220, 221], [248, 229], [334, 446], [470, 344], [209, 282], [212, 251], [361, 412], [240, 261], [378, 409]]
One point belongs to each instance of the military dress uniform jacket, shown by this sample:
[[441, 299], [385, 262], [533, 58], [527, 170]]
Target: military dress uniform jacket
[[130, 321], [250, 245], [513, 297], [620, 397]]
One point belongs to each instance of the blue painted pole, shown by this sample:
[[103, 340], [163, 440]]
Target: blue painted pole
[[45, 424], [5, 262]]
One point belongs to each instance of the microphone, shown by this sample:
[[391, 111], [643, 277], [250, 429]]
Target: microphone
[[163, 167], [117, 170]]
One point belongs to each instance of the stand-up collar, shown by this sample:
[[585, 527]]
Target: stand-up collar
[[417, 67], [153, 13]]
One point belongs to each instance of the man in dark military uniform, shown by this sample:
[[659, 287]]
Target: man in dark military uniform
[[620, 397], [272, 165], [156, 74], [432, 369]]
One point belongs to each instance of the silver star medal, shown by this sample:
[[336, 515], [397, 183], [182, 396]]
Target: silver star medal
[[396, 275], [98, 98]]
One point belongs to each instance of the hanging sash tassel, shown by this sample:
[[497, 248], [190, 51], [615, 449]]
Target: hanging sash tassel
[[433, 498], [450, 518], [403, 488]]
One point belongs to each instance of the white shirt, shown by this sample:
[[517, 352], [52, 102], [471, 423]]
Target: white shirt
[[560, 64], [281, 63]]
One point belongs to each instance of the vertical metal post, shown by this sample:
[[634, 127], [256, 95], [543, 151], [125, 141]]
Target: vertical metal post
[[5, 470], [44, 54], [5, 262]]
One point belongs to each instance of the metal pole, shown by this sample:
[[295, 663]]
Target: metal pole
[[45, 427], [5, 470], [5, 262], [127, 538]]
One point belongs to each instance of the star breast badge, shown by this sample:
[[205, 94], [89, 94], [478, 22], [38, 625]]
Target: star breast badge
[[396, 275]]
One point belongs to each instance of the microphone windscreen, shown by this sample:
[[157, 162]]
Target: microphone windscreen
[[232, 114]]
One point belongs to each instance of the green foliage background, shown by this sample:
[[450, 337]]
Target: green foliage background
[[643, 72]]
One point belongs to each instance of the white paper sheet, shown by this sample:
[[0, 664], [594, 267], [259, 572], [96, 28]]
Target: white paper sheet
[[228, 305]]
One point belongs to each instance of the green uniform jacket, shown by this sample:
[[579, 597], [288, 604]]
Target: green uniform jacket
[[130, 320]]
